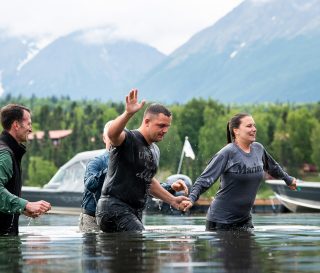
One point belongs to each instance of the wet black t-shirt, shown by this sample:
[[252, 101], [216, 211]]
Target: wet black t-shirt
[[132, 165]]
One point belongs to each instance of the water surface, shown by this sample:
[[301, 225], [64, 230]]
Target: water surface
[[280, 243]]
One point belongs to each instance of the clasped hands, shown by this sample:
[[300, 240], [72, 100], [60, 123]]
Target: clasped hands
[[182, 203], [185, 205]]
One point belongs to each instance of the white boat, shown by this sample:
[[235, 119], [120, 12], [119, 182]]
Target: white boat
[[305, 199], [64, 190]]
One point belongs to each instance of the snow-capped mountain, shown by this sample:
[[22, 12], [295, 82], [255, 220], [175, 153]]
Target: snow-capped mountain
[[80, 67], [13, 52], [264, 50]]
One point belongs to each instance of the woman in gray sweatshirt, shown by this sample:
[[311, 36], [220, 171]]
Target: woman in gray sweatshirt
[[240, 165]]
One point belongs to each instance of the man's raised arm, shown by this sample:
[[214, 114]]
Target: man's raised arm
[[116, 132]]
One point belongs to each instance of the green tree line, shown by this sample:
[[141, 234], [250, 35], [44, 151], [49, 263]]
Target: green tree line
[[290, 132]]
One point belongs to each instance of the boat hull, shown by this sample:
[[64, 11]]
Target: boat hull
[[61, 201], [306, 199]]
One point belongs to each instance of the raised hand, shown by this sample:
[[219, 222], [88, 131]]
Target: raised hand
[[132, 104], [179, 185]]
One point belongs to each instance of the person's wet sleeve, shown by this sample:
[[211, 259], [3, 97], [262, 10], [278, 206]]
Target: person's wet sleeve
[[95, 173], [208, 177], [274, 169], [9, 203]]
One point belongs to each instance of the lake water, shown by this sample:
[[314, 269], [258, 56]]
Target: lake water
[[280, 243]]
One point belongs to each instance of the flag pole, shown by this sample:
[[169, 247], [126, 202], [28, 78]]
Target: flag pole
[[182, 155]]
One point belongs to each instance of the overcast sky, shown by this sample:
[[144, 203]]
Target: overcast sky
[[164, 24]]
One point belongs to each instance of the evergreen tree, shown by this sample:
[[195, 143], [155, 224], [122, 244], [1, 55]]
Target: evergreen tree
[[40, 171], [315, 145]]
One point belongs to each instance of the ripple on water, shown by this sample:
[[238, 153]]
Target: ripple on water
[[169, 244]]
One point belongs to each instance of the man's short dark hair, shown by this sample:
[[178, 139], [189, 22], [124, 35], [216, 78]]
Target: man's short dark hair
[[11, 113], [156, 108]]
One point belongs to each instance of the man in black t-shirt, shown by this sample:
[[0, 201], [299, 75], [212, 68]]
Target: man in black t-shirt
[[133, 163]]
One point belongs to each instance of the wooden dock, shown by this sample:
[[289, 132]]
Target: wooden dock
[[265, 205]]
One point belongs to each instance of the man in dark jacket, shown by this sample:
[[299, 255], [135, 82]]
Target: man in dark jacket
[[16, 123]]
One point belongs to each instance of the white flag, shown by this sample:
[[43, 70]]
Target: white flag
[[188, 152]]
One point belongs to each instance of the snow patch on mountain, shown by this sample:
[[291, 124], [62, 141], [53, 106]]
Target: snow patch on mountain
[[233, 54], [33, 49]]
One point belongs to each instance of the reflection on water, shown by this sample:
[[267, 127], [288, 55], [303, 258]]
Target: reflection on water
[[280, 243], [237, 251], [10, 254]]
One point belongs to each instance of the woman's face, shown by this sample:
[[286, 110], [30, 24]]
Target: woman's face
[[246, 133]]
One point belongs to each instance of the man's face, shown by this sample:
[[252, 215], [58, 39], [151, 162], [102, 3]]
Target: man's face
[[24, 127], [157, 126]]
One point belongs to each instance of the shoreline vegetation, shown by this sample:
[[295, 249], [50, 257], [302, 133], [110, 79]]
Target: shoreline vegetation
[[289, 131]]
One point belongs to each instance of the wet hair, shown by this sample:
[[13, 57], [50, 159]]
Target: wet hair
[[234, 123], [155, 109], [11, 113]]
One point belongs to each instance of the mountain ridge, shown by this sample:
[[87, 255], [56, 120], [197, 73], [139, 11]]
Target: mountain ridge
[[247, 62], [262, 51]]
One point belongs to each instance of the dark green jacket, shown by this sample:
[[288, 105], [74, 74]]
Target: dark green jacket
[[11, 205]]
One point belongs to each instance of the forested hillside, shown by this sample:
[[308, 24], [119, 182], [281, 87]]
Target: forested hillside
[[290, 132]]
